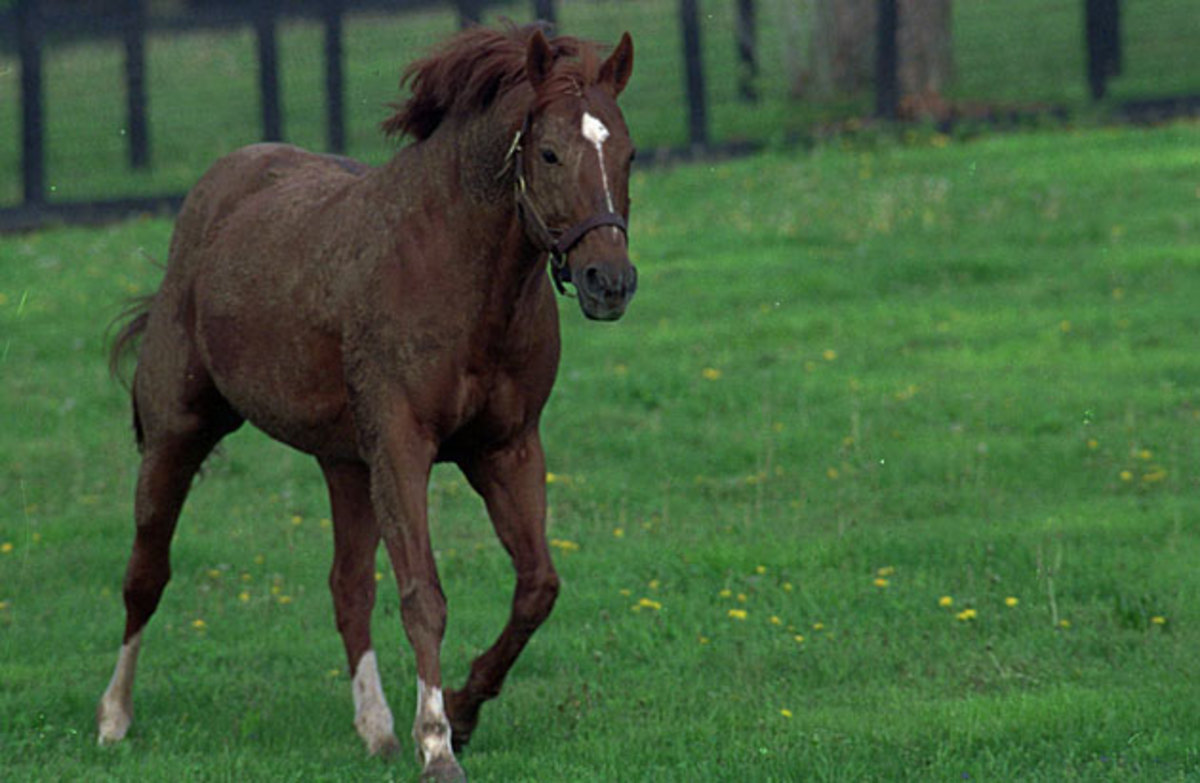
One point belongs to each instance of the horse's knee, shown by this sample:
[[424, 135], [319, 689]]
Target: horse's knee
[[535, 597], [423, 607]]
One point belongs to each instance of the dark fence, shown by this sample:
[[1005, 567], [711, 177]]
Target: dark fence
[[121, 98]]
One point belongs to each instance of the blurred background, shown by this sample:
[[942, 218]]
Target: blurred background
[[113, 105]]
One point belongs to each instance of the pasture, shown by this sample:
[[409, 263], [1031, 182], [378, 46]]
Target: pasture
[[892, 471]]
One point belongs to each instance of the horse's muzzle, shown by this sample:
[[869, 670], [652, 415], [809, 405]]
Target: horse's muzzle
[[605, 289]]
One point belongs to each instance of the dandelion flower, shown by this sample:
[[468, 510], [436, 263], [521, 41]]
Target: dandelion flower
[[832, 473], [741, 598], [785, 712], [967, 615], [818, 626], [1158, 619], [244, 596], [738, 614], [946, 601], [378, 576], [1126, 475], [653, 584], [214, 573], [787, 587], [829, 354], [297, 519], [799, 638], [703, 639], [625, 592], [1064, 623], [564, 545], [881, 582], [760, 570], [710, 373], [647, 603], [886, 571], [775, 620], [1011, 601], [725, 593], [618, 532], [199, 624], [6, 547], [285, 599]]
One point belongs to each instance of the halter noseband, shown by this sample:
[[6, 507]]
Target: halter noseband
[[558, 242]]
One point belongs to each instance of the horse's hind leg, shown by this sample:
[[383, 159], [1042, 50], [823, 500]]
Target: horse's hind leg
[[178, 432], [352, 582]]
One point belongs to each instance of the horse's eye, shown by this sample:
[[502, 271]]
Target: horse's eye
[[549, 156]]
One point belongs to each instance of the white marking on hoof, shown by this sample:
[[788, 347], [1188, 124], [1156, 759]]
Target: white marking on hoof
[[372, 717], [115, 712], [596, 132], [431, 729]]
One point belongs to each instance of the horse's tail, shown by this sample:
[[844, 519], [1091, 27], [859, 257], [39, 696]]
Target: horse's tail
[[130, 324]]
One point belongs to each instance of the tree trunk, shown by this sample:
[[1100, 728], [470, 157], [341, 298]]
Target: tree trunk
[[842, 58]]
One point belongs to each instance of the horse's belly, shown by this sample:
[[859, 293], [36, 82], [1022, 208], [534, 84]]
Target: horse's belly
[[288, 383]]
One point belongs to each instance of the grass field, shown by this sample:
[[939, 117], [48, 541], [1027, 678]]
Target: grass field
[[892, 472]]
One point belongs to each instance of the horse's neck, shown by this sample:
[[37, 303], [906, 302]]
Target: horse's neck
[[461, 177]]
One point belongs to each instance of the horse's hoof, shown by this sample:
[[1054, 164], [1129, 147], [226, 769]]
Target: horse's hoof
[[443, 770], [112, 723], [385, 747]]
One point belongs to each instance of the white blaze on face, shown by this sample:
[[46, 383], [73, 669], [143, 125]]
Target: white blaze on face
[[597, 133]]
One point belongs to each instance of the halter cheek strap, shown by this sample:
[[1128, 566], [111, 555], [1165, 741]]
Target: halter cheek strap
[[557, 242]]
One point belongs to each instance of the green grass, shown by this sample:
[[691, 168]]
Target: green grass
[[967, 369]]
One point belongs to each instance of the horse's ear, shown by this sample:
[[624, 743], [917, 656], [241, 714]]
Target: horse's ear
[[617, 69], [539, 59]]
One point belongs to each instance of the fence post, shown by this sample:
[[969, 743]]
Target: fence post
[[134, 33], [747, 47], [545, 11], [334, 83], [469, 12], [689, 19], [887, 77], [268, 69], [1102, 25], [33, 155]]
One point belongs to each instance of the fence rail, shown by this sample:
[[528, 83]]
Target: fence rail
[[713, 74]]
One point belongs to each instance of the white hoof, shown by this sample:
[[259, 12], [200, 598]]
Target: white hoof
[[372, 717]]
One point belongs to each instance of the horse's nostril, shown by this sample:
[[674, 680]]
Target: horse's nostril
[[592, 278], [631, 279]]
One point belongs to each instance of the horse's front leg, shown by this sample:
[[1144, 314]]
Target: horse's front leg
[[399, 483], [512, 482]]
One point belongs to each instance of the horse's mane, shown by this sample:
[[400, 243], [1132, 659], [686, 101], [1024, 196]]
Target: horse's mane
[[475, 67]]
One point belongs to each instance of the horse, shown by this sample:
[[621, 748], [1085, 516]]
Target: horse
[[385, 319]]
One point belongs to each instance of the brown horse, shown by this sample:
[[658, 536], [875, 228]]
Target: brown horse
[[386, 319]]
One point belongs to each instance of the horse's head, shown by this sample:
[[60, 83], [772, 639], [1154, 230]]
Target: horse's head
[[573, 156]]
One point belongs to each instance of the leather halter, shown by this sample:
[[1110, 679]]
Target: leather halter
[[556, 241]]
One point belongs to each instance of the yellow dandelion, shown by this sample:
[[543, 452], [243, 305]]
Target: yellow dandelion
[[214, 573], [799, 638], [967, 615], [276, 589], [1154, 476], [1064, 326], [760, 570], [1011, 601], [552, 478], [285, 599], [703, 639], [832, 473], [1145, 454], [618, 532], [297, 519], [259, 559], [787, 587], [1064, 623], [1158, 619], [946, 601], [741, 598], [818, 626], [247, 577], [886, 571], [244, 596], [710, 373], [881, 582], [829, 354], [1093, 444], [199, 624], [335, 673], [625, 592], [4, 606], [785, 712], [564, 545], [6, 547], [648, 603], [738, 614], [775, 620], [726, 593], [378, 576], [1126, 475], [653, 584], [324, 523]]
